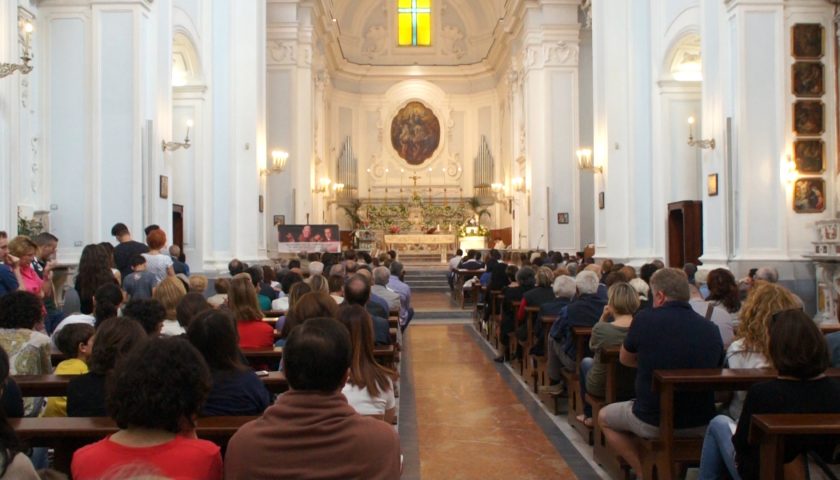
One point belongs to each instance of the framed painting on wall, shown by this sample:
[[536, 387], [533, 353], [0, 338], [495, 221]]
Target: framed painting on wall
[[808, 79], [808, 117], [809, 156], [807, 40], [164, 186], [279, 220], [712, 184], [563, 218], [809, 195]]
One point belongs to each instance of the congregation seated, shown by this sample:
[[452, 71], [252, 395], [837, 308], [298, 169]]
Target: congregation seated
[[93, 273], [472, 261], [21, 318], [236, 389], [286, 283], [75, 342], [750, 348], [798, 351], [242, 301], [149, 313], [723, 291], [189, 307], [220, 286], [541, 293], [198, 284], [311, 431], [714, 313], [265, 294], [611, 330], [357, 292], [107, 301], [284, 325], [318, 283], [156, 393], [397, 284], [381, 277], [370, 386], [169, 293], [14, 464], [583, 311], [564, 289], [336, 287], [525, 281], [668, 336], [114, 338]]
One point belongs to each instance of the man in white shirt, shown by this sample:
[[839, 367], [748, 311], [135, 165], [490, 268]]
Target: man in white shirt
[[453, 265]]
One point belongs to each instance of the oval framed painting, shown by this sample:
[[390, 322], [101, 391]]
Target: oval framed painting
[[415, 133]]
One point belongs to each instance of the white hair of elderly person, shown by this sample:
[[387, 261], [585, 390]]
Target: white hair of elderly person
[[564, 287], [587, 282]]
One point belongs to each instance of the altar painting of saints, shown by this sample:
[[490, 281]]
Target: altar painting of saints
[[415, 133]]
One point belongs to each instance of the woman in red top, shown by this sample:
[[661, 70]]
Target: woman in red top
[[154, 396], [242, 301]]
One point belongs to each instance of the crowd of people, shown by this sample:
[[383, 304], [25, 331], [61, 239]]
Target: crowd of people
[[668, 318], [152, 347]]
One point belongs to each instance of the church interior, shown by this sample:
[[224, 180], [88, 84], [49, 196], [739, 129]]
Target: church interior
[[493, 175]]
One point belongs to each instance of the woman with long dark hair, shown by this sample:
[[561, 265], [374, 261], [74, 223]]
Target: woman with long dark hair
[[370, 387], [93, 273], [236, 388], [242, 301], [723, 290]]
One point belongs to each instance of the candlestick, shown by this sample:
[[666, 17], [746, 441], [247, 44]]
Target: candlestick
[[430, 184]]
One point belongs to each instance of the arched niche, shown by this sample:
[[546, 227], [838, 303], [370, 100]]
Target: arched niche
[[186, 64], [683, 63]]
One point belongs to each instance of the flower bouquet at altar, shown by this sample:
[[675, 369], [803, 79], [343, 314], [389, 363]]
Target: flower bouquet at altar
[[394, 229], [472, 235]]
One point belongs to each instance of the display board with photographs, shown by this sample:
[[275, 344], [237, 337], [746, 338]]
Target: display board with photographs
[[308, 238]]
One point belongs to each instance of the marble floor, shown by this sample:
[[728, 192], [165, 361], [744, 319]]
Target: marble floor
[[464, 419]]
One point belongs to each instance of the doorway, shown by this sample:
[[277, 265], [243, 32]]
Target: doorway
[[685, 233], [178, 226]]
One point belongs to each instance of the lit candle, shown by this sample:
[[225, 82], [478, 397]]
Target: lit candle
[[690, 128], [27, 39], [189, 125]]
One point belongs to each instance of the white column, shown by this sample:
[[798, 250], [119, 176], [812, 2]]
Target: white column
[[550, 87]]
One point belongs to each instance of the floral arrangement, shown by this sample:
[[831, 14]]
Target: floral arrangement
[[394, 229], [468, 230]]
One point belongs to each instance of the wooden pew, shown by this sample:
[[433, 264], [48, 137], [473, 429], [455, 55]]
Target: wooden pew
[[385, 354], [273, 313], [616, 467], [56, 385], [662, 454], [461, 276], [531, 315], [542, 362], [771, 430], [67, 434], [496, 317], [580, 335]]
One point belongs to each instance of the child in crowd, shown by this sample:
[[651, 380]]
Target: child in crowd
[[139, 283], [75, 341]]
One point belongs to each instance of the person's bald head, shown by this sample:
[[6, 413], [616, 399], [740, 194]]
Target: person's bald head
[[357, 290], [364, 273]]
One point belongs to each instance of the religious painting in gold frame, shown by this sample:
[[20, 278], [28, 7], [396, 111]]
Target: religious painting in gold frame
[[808, 79], [809, 156], [807, 40], [415, 133], [809, 195], [808, 117]]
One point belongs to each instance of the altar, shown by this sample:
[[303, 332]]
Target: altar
[[445, 242]]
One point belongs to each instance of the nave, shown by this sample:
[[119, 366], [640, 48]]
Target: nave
[[472, 418]]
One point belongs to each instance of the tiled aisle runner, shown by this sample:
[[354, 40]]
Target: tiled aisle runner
[[470, 425]]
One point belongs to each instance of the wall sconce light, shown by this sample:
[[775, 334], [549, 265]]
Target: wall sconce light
[[789, 172], [172, 146], [323, 185], [279, 158], [499, 191], [338, 187], [518, 184], [698, 143], [586, 163], [7, 69]]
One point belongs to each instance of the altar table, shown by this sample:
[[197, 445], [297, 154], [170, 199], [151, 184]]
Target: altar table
[[445, 241]]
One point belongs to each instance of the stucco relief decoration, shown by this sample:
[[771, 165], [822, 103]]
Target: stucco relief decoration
[[282, 53], [561, 53], [375, 39], [415, 133], [452, 41]]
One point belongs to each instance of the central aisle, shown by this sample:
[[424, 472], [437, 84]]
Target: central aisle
[[469, 423]]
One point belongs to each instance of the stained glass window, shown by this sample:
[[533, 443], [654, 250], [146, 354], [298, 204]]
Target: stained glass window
[[414, 22]]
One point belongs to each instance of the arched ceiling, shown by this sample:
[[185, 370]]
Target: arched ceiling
[[463, 32]]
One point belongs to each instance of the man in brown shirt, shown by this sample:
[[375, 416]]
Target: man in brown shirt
[[311, 432]]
